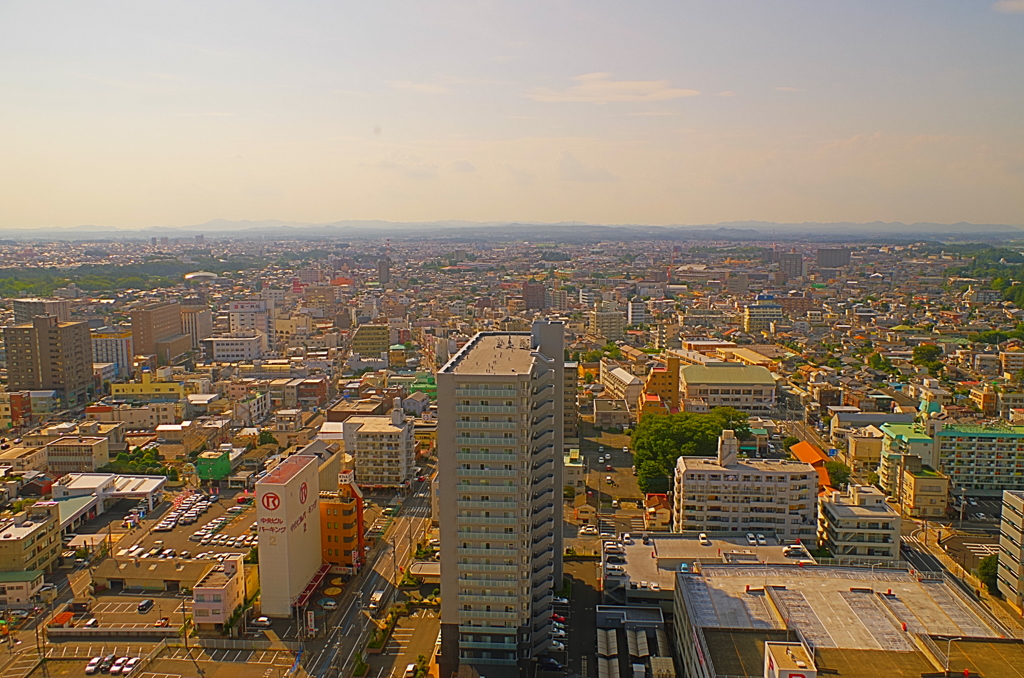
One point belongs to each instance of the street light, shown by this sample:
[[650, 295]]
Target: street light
[[949, 644]]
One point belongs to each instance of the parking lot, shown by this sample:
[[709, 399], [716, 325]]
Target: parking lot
[[265, 657], [232, 520]]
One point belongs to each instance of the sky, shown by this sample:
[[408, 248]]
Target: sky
[[171, 113]]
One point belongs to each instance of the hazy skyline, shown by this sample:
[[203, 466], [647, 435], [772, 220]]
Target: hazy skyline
[[135, 114]]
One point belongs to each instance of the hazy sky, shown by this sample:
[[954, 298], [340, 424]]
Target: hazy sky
[[174, 112]]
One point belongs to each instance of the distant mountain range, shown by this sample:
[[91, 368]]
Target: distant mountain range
[[467, 231]]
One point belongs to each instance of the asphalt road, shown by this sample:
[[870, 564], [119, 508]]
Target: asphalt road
[[349, 627]]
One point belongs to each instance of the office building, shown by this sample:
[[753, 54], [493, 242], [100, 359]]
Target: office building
[[26, 309], [384, 271], [77, 454], [791, 264], [249, 316], [114, 345], [288, 524], [533, 295], [234, 348], [197, 323], [760, 316], [1011, 549], [47, 354], [858, 527], [153, 323], [30, 541], [341, 525], [500, 450], [750, 388], [383, 447], [729, 494], [833, 257]]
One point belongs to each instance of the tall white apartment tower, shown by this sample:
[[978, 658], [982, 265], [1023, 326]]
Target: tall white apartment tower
[[500, 473]]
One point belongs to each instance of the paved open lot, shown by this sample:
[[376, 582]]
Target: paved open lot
[[414, 636], [178, 537]]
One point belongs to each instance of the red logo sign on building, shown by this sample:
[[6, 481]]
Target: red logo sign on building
[[271, 501], [303, 493]]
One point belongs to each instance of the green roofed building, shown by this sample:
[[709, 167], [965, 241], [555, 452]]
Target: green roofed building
[[214, 465]]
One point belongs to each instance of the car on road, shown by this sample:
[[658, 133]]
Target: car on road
[[555, 645], [600, 448], [558, 600], [558, 618], [684, 568], [91, 624], [410, 671], [608, 479], [626, 539], [130, 666], [558, 633], [93, 666], [615, 503], [421, 479], [115, 670], [146, 605], [588, 529], [972, 501], [329, 605], [609, 468], [751, 539], [549, 664], [761, 540], [703, 539], [261, 622], [613, 558], [625, 450]]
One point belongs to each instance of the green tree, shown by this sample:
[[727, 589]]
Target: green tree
[[660, 439], [926, 353], [789, 441], [987, 570], [838, 473], [267, 438]]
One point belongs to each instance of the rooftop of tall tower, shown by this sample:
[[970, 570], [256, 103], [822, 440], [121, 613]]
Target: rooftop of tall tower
[[498, 353]]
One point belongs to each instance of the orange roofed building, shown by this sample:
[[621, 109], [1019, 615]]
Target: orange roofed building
[[660, 394], [812, 454]]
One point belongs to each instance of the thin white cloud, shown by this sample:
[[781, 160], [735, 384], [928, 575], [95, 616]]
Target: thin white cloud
[[408, 164], [462, 166], [420, 87], [787, 89], [653, 113], [726, 93], [1009, 6], [599, 88], [520, 177], [570, 168]]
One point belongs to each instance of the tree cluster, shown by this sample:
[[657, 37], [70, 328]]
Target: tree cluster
[[660, 439]]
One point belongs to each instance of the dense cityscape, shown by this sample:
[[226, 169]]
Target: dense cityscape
[[440, 456]]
